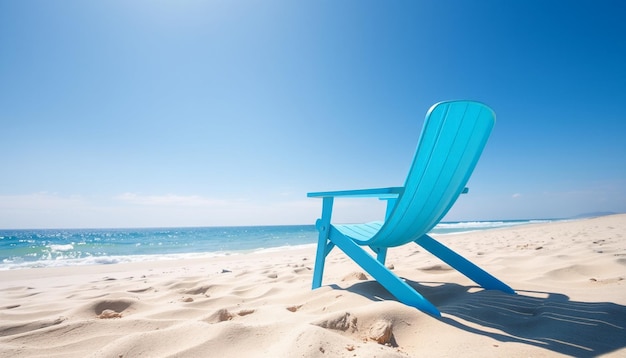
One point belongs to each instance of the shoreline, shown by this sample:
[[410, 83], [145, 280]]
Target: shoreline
[[569, 276], [129, 259], [79, 247]]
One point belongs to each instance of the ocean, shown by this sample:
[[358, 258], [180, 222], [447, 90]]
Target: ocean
[[21, 249]]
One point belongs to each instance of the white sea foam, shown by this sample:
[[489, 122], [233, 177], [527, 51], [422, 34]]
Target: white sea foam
[[66, 247], [481, 225], [8, 264], [283, 248]]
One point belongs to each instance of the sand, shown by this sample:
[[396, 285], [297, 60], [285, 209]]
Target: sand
[[570, 279]]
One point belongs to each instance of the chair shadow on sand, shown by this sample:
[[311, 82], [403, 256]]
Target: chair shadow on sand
[[543, 319]]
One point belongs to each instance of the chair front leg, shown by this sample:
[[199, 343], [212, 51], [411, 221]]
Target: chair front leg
[[323, 244]]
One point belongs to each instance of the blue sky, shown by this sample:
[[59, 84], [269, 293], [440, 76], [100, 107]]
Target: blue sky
[[202, 113]]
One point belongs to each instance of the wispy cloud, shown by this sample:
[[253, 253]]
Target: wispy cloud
[[53, 210], [40, 201], [44, 210], [516, 196], [168, 200]]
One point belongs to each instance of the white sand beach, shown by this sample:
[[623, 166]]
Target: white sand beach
[[570, 279]]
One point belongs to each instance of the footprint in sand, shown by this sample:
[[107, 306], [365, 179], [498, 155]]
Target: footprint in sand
[[294, 308], [345, 322], [245, 312], [437, 269], [355, 276], [107, 314], [301, 270], [111, 308], [225, 315], [200, 290], [141, 290]]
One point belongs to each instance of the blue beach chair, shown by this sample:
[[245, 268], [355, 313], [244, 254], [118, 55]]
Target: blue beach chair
[[452, 140]]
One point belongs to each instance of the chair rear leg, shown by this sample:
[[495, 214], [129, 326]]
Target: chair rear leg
[[463, 265], [381, 254]]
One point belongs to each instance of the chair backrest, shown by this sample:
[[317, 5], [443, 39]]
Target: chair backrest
[[452, 140]]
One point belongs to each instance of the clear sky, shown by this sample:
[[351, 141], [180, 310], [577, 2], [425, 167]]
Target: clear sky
[[202, 113]]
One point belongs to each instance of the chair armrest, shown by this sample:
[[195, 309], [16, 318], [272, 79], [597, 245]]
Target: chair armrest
[[382, 193]]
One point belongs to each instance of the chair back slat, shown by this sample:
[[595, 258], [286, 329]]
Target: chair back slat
[[452, 140]]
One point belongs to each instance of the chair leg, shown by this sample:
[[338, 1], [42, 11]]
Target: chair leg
[[396, 286], [381, 254], [323, 244], [320, 260], [462, 265]]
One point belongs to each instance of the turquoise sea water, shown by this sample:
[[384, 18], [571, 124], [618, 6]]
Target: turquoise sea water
[[69, 247]]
